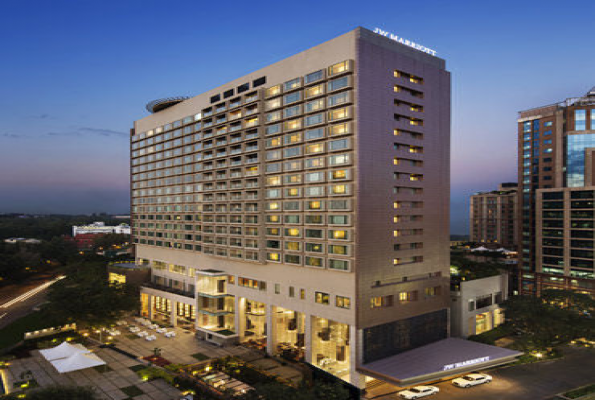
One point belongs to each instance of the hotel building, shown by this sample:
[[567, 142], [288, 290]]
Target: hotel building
[[556, 196], [303, 208], [493, 216]]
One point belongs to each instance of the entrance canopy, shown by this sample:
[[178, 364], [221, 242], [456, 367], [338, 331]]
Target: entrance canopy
[[63, 350], [436, 361], [76, 362]]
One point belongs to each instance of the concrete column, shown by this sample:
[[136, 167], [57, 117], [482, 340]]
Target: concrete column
[[271, 329], [172, 316], [150, 305], [240, 318], [356, 357], [308, 338]]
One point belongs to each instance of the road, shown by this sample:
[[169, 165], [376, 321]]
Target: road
[[18, 301], [536, 381]]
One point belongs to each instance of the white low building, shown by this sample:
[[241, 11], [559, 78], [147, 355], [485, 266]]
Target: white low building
[[475, 305], [100, 227]]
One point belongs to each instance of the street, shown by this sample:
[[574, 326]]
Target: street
[[526, 382], [18, 301]]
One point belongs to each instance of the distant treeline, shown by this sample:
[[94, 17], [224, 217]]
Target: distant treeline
[[45, 227]]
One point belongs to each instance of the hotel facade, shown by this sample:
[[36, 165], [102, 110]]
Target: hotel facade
[[303, 208]]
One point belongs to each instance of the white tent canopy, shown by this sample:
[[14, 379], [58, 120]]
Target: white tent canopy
[[63, 350], [481, 248], [77, 361]]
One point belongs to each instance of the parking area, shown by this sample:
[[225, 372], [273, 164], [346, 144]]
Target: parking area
[[536, 381]]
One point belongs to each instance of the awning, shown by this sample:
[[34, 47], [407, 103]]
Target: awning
[[63, 350], [437, 360], [76, 362]]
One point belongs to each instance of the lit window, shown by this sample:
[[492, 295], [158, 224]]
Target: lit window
[[338, 68], [273, 180], [273, 256], [321, 298], [293, 124], [343, 302], [338, 114], [340, 129], [270, 104], [339, 189], [314, 91], [315, 148], [274, 206], [314, 205], [273, 91], [339, 235]]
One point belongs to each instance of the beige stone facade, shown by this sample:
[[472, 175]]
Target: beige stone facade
[[303, 208]]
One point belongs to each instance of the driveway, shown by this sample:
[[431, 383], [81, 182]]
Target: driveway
[[527, 382]]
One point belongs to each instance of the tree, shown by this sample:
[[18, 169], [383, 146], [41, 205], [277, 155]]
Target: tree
[[59, 392], [86, 297], [543, 322], [106, 241]]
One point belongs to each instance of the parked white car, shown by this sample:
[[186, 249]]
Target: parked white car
[[418, 392], [472, 380]]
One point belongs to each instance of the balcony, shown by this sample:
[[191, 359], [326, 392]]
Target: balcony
[[185, 293]]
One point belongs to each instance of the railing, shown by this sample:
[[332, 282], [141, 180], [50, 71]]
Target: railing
[[168, 289]]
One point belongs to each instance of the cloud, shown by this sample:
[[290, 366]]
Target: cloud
[[102, 131], [88, 131], [11, 135]]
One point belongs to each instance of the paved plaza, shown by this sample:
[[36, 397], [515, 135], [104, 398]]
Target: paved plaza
[[184, 348], [108, 384]]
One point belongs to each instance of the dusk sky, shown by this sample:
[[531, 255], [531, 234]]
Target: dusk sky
[[76, 74]]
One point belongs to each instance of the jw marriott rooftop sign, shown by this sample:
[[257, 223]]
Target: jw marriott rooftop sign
[[406, 42]]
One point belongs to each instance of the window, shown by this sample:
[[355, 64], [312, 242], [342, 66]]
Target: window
[[343, 302], [580, 120], [338, 83], [339, 159], [273, 116], [338, 99], [314, 261], [314, 76], [340, 129], [314, 105], [315, 148], [338, 249], [338, 220], [313, 134], [321, 298], [292, 98], [314, 233], [292, 124], [317, 162], [338, 235], [292, 246], [292, 219], [338, 68], [273, 129], [408, 296], [292, 111], [339, 113], [293, 259], [291, 291], [292, 152], [314, 119], [314, 247], [341, 144], [292, 138], [314, 91], [341, 265], [382, 301], [292, 84]]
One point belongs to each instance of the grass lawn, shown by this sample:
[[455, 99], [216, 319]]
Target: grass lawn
[[14, 333], [583, 391], [132, 391], [200, 356]]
